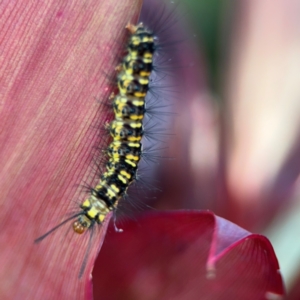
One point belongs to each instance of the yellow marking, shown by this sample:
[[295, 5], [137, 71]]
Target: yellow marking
[[92, 212], [134, 53], [129, 71], [147, 39], [136, 125], [129, 162], [140, 94], [132, 157], [101, 218], [147, 59], [86, 203], [138, 102], [109, 172], [99, 186], [135, 40], [110, 193], [134, 138], [115, 188], [134, 145], [125, 173], [144, 81], [144, 73], [148, 55], [94, 193], [121, 178], [136, 117]]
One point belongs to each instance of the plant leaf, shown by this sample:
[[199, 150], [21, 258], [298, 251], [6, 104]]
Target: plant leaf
[[54, 55]]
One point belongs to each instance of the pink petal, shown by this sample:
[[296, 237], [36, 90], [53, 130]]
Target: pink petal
[[262, 136], [186, 255], [54, 56]]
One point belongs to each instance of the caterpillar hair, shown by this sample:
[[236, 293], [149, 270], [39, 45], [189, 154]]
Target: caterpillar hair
[[134, 102]]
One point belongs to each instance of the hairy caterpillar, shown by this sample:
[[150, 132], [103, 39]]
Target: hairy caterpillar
[[126, 129], [142, 84]]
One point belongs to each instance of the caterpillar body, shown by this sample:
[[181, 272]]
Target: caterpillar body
[[126, 129]]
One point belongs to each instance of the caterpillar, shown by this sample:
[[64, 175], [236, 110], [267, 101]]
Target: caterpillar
[[126, 130]]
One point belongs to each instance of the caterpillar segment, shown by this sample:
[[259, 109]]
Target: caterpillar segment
[[132, 85], [128, 150], [128, 108], [138, 67], [124, 172], [126, 129]]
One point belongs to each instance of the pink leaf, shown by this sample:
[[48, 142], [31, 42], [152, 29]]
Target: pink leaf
[[54, 55]]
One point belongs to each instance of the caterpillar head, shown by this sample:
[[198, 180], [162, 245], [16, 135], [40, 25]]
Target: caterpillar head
[[82, 224]]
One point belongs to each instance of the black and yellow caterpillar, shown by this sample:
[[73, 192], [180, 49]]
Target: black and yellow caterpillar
[[126, 129]]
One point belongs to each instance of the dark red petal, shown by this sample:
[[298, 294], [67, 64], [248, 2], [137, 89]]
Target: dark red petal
[[186, 255]]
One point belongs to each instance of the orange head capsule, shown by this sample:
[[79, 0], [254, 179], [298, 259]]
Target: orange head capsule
[[81, 224], [78, 228]]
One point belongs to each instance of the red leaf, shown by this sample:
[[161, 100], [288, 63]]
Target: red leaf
[[186, 255]]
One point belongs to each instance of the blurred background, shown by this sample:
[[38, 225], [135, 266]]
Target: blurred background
[[235, 148]]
